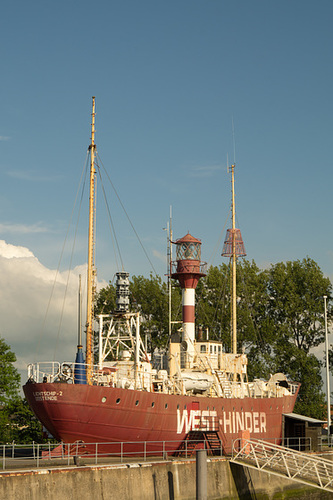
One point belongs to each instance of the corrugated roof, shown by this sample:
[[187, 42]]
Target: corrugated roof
[[304, 418]]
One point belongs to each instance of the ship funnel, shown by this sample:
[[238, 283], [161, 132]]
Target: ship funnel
[[122, 292]]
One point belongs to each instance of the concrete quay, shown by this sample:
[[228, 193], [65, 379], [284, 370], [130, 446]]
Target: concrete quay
[[160, 480]]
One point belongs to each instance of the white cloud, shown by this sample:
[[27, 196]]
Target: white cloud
[[4, 138], [22, 228], [30, 321], [204, 171], [31, 175]]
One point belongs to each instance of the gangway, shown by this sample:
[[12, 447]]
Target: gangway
[[284, 462]]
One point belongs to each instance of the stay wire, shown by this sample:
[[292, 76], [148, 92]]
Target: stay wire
[[42, 330], [70, 263], [129, 220], [111, 225]]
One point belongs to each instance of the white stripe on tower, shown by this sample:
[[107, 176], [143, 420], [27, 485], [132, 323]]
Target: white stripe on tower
[[188, 302]]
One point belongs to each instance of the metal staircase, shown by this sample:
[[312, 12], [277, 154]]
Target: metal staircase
[[307, 469], [210, 440]]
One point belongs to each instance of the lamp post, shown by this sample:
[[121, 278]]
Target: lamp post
[[327, 376]]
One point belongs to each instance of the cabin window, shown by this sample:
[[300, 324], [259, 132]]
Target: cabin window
[[203, 348], [118, 401], [219, 348], [211, 349]]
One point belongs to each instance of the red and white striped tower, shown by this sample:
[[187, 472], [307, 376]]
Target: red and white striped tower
[[189, 269]]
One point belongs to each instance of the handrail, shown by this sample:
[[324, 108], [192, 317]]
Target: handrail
[[21, 456], [284, 462]]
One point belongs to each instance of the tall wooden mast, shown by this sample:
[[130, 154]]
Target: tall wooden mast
[[234, 266], [91, 251], [233, 248]]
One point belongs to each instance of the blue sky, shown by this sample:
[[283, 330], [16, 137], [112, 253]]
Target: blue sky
[[169, 78]]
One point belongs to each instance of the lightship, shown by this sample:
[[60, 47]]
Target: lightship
[[128, 397]]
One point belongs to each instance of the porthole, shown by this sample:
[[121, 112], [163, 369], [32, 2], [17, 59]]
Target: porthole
[[118, 401], [185, 407], [153, 404], [103, 400], [177, 407], [166, 405], [137, 402]]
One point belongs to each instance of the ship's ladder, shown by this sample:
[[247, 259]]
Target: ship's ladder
[[194, 440], [224, 383], [295, 465], [224, 387]]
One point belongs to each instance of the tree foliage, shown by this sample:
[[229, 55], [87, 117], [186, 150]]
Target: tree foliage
[[17, 421], [9, 376]]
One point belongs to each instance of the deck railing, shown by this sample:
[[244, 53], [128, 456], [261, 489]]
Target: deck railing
[[53, 371], [22, 456]]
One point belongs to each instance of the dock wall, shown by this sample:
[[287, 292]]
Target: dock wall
[[172, 480]]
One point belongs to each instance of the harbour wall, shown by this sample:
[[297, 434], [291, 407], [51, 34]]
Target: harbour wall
[[171, 480]]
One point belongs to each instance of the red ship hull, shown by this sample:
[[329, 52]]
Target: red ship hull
[[106, 414]]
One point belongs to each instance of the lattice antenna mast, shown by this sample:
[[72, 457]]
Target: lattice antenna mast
[[91, 273]]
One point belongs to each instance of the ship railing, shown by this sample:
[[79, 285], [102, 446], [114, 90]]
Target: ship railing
[[44, 371], [53, 371], [35, 455], [299, 443], [29, 456]]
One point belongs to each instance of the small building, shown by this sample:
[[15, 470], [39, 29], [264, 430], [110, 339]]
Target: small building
[[300, 432]]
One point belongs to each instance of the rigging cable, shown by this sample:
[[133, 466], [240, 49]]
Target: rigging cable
[[70, 265], [60, 259], [111, 225], [128, 218]]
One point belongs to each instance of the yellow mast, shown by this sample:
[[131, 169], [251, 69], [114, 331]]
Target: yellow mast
[[91, 251], [234, 257]]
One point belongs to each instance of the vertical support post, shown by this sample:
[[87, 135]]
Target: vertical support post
[[100, 343], [137, 349], [201, 475], [327, 376], [3, 456]]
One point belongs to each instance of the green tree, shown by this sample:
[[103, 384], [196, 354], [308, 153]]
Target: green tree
[[9, 376], [296, 292], [9, 385], [17, 421], [150, 296], [22, 425]]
